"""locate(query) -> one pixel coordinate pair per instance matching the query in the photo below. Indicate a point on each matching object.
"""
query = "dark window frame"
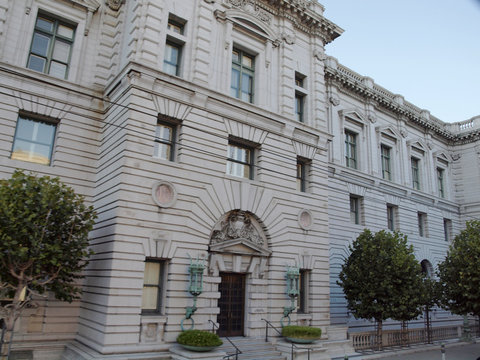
(391, 217)
(302, 174)
(53, 36)
(415, 165)
(386, 157)
(250, 161)
(242, 69)
(160, 286)
(355, 209)
(351, 149)
(39, 120)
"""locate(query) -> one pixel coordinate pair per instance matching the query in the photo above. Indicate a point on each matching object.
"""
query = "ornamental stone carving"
(114, 4)
(238, 225)
(335, 101)
(251, 7)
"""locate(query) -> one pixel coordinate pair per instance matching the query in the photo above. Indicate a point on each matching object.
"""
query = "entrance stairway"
(252, 349)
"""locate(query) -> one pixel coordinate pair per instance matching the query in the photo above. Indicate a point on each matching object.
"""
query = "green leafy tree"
(459, 273)
(381, 279)
(44, 230)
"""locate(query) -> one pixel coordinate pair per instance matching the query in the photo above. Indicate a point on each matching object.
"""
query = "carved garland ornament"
(237, 225)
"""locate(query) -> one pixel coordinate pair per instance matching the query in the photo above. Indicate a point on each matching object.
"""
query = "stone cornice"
(302, 13)
(464, 132)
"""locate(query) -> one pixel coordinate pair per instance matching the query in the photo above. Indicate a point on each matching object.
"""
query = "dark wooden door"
(232, 304)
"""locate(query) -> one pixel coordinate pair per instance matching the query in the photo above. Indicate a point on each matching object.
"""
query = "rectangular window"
(243, 70)
(447, 229)
(154, 278)
(174, 45)
(299, 98)
(240, 160)
(422, 224)
(302, 168)
(51, 47)
(33, 140)
(175, 26)
(299, 107)
(171, 61)
(351, 149)
(302, 300)
(165, 135)
(386, 162)
(415, 173)
(441, 182)
(354, 210)
(391, 217)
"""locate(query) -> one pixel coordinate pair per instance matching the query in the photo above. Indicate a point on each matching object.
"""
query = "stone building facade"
(217, 130)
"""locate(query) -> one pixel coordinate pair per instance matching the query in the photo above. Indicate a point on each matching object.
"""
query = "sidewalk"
(453, 351)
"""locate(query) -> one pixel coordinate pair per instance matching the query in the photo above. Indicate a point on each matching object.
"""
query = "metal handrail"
(237, 350)
(267, 324)
(294, 347)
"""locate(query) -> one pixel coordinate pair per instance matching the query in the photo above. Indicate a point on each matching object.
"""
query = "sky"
(425, 50)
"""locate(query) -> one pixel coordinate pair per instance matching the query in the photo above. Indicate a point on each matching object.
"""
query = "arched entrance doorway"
(238, 256)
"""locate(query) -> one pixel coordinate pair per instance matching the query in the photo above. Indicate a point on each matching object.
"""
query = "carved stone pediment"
(240, 246)
(239, 232)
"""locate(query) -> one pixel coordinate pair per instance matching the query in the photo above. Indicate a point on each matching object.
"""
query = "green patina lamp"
(195, 287)
(292, 275)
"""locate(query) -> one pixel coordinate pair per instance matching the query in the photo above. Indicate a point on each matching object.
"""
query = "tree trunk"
(428, 325)
(405, 333)
(13, 311)
(379, 336)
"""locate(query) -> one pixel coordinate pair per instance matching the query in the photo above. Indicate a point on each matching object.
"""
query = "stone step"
(253, 349)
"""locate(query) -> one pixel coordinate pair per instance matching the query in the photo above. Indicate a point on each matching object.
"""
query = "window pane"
(58, 70)
(45, 24)
(162, 151)
(163, 132)
(44, 133)
(27, 151)
(150, 298)
(65, 31)
(40, 44)
(61, 51)
(235, 82)
(36, 63)
(235, 56)
(152, 273)
(247, 61)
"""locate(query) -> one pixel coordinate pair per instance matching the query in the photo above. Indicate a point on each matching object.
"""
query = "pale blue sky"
(426, 50)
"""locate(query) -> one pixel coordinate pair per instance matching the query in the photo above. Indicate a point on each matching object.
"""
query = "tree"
(459, 273)
(44, 230)
(381, 278)
(430, 299)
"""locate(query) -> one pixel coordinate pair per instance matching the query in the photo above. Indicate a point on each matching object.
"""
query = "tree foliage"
(460, 272)
(381, 278)
(44, 230)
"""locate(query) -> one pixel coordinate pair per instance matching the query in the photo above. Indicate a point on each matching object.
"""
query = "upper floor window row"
(351, 149)
(243, 71)
(174, 45)
(51, 48)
